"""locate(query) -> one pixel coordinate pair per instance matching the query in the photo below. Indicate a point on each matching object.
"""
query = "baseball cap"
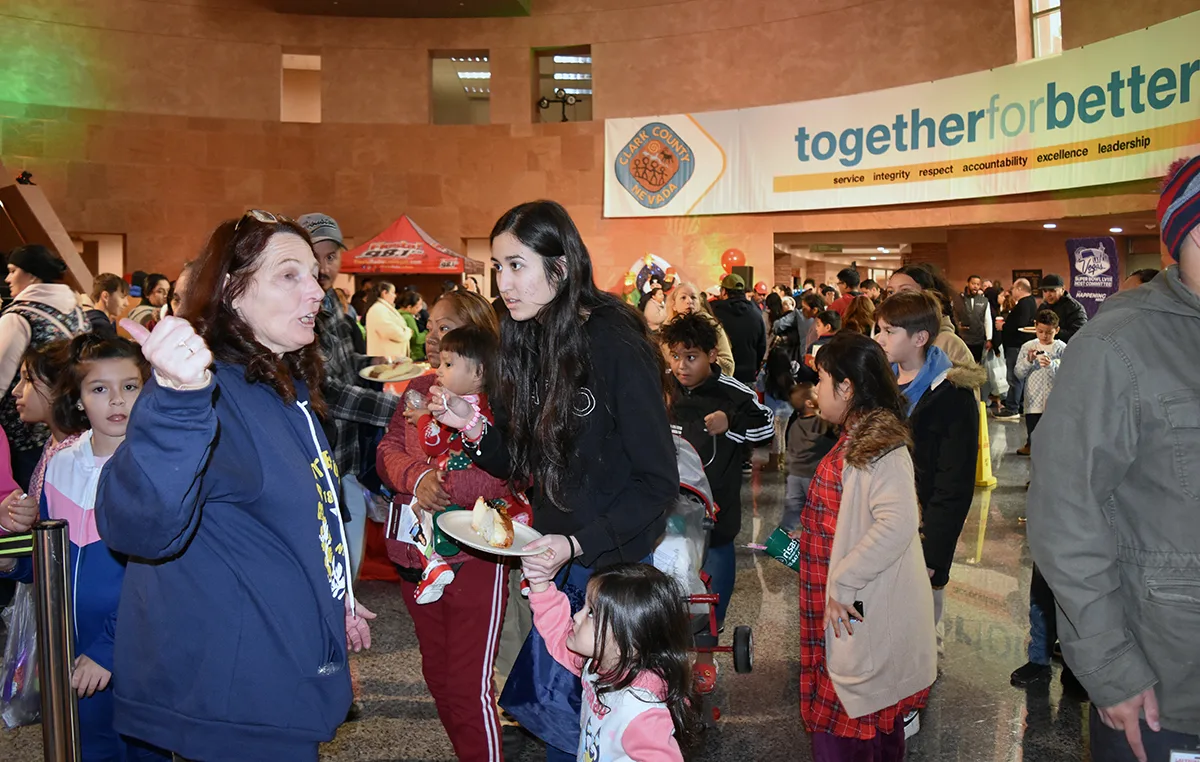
(321, 227)
(1052, 281)
(733, 282)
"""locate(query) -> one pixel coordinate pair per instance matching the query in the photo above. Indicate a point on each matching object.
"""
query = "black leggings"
(1031, 422)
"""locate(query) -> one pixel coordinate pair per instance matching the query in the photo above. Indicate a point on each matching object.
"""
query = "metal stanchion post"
(55, 626)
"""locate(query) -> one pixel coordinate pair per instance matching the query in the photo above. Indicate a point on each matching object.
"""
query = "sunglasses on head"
(261, 216)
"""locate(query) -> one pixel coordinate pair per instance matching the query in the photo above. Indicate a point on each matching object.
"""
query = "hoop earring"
(79, 406)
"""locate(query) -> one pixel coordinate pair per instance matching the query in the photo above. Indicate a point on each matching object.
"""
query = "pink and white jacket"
(629, 725)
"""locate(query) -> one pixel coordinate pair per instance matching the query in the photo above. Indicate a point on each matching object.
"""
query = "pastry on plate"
(490, 520)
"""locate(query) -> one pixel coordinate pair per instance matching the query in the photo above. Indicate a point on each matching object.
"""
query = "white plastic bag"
(20, 692)
(997, 372)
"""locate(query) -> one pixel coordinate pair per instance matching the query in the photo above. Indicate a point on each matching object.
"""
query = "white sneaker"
(912, 724)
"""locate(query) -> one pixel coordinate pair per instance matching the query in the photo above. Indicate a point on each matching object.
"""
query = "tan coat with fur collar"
(877, 559)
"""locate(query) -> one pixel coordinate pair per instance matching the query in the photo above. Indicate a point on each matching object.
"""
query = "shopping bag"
(997, 372)
(20, 692)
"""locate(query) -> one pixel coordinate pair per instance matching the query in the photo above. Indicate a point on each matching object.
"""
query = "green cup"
(784, 549)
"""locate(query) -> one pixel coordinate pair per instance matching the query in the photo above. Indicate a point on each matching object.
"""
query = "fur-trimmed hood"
(972, 376)
(875, 435)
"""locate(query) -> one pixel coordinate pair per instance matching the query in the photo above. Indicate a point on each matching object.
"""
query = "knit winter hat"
(39, 262)
(1179, 205)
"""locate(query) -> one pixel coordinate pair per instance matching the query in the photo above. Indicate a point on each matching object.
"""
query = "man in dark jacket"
(976, 329)
(1071, 315)
(943, 415)
(110, 295)
(743, 324)
(718, 416)
(1012, 338)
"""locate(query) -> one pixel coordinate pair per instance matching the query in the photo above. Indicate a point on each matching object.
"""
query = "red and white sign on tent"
(405, 248)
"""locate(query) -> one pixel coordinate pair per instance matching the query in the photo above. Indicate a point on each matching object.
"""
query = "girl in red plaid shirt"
(867, 643)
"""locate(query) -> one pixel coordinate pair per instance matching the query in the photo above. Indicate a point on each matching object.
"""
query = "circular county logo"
(654, 165)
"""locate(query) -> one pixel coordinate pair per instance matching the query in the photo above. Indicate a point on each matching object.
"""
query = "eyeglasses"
(261, 216)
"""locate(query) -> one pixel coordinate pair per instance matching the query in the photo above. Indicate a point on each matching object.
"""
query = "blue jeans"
(721, 566)
(793, 501)
(1016, 386)
(1043, 627)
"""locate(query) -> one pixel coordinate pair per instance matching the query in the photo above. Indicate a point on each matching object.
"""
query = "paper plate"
(1027, 329)
(457, 524)
(394, 372)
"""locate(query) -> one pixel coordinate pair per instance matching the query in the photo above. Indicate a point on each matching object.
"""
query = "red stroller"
(681, 553)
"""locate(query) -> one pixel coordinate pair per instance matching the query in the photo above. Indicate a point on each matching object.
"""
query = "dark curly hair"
(544, 362)
(694, 330)
(76, 357)
(222, 274)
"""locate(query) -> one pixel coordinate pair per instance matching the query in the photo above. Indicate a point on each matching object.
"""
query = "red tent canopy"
(405, 248)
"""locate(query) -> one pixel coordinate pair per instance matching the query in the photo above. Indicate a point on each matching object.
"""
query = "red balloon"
(732, 258)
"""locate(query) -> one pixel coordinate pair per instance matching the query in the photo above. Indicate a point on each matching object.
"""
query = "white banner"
(1122, 109)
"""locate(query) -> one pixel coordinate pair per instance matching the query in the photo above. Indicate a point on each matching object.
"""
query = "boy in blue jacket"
(718, 415)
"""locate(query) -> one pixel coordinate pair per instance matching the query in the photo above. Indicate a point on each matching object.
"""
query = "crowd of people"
(216, 455)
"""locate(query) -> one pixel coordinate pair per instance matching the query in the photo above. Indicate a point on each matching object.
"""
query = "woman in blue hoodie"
(237, 609)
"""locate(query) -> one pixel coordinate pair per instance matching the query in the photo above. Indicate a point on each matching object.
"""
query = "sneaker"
(1023, 450)
(1024, 676)
(436, 576)
(1008, 416)
(912, 724)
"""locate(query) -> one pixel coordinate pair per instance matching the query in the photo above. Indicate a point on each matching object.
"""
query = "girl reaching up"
(629, 645)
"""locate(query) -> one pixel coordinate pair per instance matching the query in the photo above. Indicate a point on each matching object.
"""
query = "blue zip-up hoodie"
(96, 575)
(231, 634)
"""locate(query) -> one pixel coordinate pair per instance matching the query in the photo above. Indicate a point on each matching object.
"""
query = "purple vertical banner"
(1095, 269)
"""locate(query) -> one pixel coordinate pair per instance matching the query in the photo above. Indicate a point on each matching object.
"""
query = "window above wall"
(461, 87)
(563, 85)
(1047, 27)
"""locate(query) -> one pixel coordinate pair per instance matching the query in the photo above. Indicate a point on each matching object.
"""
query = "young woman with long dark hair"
(581, 416)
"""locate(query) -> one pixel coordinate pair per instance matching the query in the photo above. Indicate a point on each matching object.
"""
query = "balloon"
(732, 258)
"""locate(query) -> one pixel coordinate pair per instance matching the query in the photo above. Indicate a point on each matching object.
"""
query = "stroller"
(681, 553)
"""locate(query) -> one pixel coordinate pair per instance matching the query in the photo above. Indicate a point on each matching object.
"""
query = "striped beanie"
(1179, 205)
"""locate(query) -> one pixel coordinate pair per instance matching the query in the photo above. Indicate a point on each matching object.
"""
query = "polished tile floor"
(973, 714)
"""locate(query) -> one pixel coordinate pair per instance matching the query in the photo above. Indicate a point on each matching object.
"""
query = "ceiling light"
(485, 59)
(474, 75)
(882, 250)
(572, 75)
(874, 258)
(1116, 230)
(1049, 225)
(572, 59)
(577, 90)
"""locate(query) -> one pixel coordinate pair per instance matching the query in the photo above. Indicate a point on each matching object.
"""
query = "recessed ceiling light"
(1116, 230)
(874, 258)
(1049, 225)
(882, 250)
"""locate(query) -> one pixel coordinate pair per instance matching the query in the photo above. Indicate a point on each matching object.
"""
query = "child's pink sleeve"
(650, 737)
(552, 618)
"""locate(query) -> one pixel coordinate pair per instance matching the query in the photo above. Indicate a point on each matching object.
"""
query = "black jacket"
(623, 477)
(945, 430)
(101, 325)
(1071, 316)
(749, 421)
(1021, 316)
(743, 323)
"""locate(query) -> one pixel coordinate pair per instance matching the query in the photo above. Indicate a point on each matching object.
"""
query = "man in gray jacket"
(1114, 508)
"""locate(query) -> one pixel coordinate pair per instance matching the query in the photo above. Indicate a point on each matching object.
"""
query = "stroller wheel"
(743, 649)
